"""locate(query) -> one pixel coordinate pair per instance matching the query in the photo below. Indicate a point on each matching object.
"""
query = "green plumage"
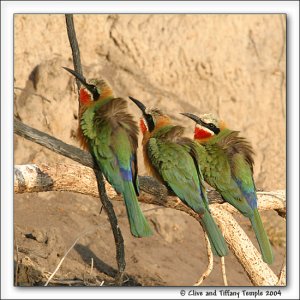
(262, 237)
(112, 137)
(170, 156)
(227, 165)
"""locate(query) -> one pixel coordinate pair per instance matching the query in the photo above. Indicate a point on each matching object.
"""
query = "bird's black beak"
(139, 104)
(194, 118)
(147, 117)
(90, 87)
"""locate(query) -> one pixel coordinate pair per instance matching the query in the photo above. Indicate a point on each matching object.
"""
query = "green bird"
(167, 157)
(226, 161)
(110, 133)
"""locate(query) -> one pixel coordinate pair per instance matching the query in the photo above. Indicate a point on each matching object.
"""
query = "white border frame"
(291, 8)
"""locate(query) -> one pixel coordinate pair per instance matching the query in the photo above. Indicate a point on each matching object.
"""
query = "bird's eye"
(95, 93)
(212, 126)
(150, 122)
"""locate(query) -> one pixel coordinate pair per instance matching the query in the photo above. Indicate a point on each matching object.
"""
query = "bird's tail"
(218, 244)
(138, 224)
(262, 238)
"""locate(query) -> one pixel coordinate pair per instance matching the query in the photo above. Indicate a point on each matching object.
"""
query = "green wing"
(217, 172)
(113, 144)
(107, 156)
(175, 165)
(181, 173)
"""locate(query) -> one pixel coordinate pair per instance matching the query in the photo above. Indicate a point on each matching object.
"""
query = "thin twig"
(92, 266)
(277, 195)
(210, 262)
(120, 252)
(114, 226)
(224, 271)
(74, 46)
(63, 258)
(31, 93)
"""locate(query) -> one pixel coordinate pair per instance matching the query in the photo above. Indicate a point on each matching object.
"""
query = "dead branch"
(249, 257)
(223, 269)
(119, 241)
(74, 46)
(80, 179)
(269, 200)
(31, 93)
(210, 264)
(65, 255)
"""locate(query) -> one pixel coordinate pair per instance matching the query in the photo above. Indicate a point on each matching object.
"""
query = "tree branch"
(80, 179)
(120, 250)
(210, 265)
(74, 46)
(269, 200)
(53, 144)
(258, 271)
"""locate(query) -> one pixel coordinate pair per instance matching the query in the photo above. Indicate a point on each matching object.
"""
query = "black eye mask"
(199, 121)
(148, 118)
(90, 87)
(150, 123)
(211, 127)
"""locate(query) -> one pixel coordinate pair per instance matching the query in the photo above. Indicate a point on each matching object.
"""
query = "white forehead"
(209, 118)
(154, 112)
(99, 82)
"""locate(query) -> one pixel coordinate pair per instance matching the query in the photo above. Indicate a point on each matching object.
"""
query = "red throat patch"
(143, 126)
(200, 134)
(85, 97)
